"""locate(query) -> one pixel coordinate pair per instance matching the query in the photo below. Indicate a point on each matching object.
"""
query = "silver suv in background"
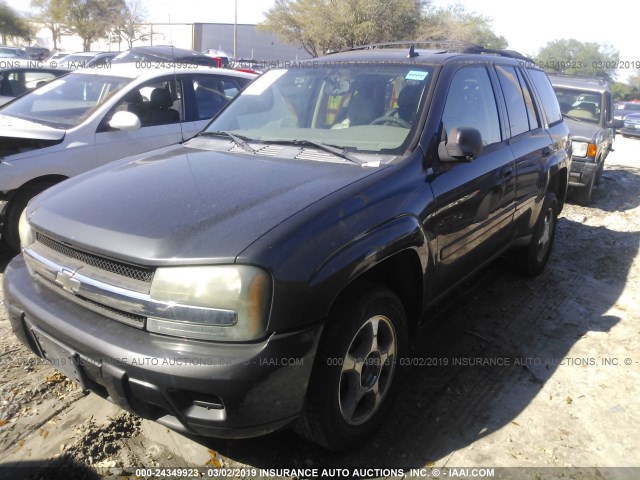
(586, 104)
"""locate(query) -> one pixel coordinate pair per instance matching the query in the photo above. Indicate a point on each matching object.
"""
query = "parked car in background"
(631, 126)
(586, 104)
(164, 56)
(622, 109)
(37, 53)
(221, 57)
(94, 116)
(271, 270)
(22, 76)
(56, 55)
(250, 66)
(87, 60)
(13, 52)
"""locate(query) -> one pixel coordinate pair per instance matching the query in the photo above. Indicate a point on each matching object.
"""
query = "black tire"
(582, 195)
(17, 204)
(599, 171)
(352, 382)
(532, 259)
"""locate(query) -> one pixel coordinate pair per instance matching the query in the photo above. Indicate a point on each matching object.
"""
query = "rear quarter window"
(547, 96)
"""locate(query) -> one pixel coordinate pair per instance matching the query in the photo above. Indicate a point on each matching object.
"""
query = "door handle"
(506, 172)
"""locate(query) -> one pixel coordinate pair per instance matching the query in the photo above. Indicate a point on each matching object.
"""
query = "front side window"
(67, 101)
(472, 103)
(157, 102)
(362, 107)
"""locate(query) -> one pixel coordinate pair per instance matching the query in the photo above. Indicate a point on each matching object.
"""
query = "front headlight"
(583, 149)
(27, 235)
(579, 149)
(239, 295)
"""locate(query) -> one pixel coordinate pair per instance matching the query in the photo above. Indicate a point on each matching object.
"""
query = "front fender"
(364, 253)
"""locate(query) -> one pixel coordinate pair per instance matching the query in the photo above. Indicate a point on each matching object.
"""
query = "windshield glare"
(365, 107)
(67, 101)
(578, 104)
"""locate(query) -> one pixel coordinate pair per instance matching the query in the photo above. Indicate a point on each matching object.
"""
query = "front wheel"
(13, 211)
(354, 376)
(582, 195)
(532, 259)
(599, 171)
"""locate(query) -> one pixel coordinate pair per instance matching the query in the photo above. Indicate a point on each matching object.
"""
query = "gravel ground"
(511, 372)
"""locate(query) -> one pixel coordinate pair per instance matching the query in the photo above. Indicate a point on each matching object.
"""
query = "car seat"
(160, 111)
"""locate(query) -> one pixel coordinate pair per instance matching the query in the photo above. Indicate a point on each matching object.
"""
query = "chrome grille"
(130, 271)
(137, 321)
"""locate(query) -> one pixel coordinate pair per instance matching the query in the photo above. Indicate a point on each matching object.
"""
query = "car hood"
(20, 136)
(184, 206)
(582, 130)
(12, 127)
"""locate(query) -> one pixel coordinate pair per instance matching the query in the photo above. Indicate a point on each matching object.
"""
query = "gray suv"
(270, 271)
(585, 103)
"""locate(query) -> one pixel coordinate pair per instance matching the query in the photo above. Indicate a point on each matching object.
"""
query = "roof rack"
(450, 45)
(444, 46)
(503, 53)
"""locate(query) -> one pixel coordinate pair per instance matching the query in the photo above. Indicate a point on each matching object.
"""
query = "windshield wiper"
(337, 151)
(238, 139)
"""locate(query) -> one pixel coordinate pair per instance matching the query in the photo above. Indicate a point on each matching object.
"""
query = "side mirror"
(463, 144)
(125, 121)
(615, 124)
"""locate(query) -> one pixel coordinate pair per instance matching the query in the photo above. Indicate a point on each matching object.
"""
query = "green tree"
(621, 91)
(321, 26)
(454, 23)
(92, 20)
(634, 80)
(578, 58)
(51, 14)
(12, 25)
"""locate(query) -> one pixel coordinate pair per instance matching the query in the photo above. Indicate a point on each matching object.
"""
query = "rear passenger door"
(528, 140)
(474, 200)
(205, 96)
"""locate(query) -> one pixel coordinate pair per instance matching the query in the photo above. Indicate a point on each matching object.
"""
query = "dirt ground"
(512, 372)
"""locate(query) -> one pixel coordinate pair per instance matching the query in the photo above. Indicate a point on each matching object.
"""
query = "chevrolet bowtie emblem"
(65, 280)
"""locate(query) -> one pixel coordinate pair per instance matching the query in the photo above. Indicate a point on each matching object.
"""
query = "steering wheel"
(393, 121)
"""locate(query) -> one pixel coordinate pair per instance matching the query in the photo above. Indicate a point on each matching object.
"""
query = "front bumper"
(582, 170)
(214, 389)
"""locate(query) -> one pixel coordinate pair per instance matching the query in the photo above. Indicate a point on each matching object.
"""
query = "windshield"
(67, 101)
(578, 104)
(369, 107)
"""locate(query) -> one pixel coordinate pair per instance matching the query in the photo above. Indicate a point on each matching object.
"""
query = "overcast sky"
(527, 26)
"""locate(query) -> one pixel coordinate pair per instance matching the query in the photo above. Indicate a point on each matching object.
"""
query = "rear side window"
(516, 109)
(534, 121)
(212, 93)
(547, 96)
